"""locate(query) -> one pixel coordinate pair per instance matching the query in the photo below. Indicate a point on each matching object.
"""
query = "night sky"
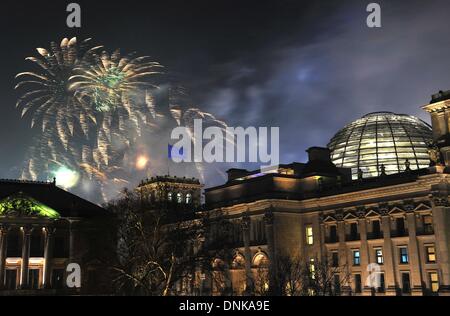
(308, 67)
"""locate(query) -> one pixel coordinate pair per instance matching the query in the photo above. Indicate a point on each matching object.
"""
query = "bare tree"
(296, 277)
(156, 250)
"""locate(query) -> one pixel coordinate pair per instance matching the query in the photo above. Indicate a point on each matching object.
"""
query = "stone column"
(26, 236)
(48, 256)
(3, 240)
(389, 275)
(343, 253)
(268, 221)
(413, 254)
(441, 222)
(73, 234)
(245, 225)
(364, 252)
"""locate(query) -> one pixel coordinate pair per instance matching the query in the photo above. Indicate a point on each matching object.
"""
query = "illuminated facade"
(174, 191)
(42, 230)
(382, 140)
(395, 223)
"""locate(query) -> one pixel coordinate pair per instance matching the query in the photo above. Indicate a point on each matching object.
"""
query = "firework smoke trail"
(93, 110)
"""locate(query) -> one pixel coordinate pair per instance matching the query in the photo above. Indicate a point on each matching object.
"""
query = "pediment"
(372, 213)
(422, 207)
(22, 205)
(396, 210)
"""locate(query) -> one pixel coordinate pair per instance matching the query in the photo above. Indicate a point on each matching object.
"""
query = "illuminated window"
(356, 258)
(309, 235)
(312, 268)
(403, 255)
(188, 198)
(379, 256)
(169, 196)
(434, 281)
(179, 197)
(431, 254)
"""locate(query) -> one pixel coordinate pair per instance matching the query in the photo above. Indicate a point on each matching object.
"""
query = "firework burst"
(94, 110)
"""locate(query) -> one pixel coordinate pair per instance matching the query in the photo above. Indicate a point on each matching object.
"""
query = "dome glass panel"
(382, 138)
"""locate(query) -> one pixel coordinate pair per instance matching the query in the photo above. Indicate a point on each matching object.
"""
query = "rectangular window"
(11, 279)
(358, 287)
(33, 279)
(376, 229)
(354, 231)
(337, 284)
(309, 235)
(400, 223)
(356, 258)
(379, 256)
(335, 259)
(333, 234)
(382, 287)
(434, 281)
(406, 283)
(428, 224)
(58, 278)
(312, 268)
(403, 255)
(431, 253)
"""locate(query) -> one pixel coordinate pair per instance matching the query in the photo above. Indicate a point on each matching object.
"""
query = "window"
(427, 224)
(335, 259)
(309, 235)
(382, 287)
(312, 268)
(400, 223)
(406, 283)
(333, 233)
(169, 196)
(353, 231)
(431, 253)
(14, 247)
(379, 256)
(37, 243)
(358, 286)
(179, 197)
(11, 279)
(404, 255)
(33, 279)
(337, 284)
(61, 247)
(434, 281)
(356, 258)
(188, 198)
(58, 278)
(376, 228)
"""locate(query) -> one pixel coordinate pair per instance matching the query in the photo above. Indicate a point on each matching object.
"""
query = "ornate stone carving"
(339, 215)
(245, 222)
(268, 217)
(361, 212)
(408, 206)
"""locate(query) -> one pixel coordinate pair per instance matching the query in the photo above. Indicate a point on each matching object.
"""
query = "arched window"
(238, 262)
(260, 260)
(179, 197)
(188, 198)
(169, 196)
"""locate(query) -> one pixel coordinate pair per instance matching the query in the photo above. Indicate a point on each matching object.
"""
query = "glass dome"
(382, 138)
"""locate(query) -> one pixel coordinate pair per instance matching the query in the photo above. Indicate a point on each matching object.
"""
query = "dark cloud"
(308, 67)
